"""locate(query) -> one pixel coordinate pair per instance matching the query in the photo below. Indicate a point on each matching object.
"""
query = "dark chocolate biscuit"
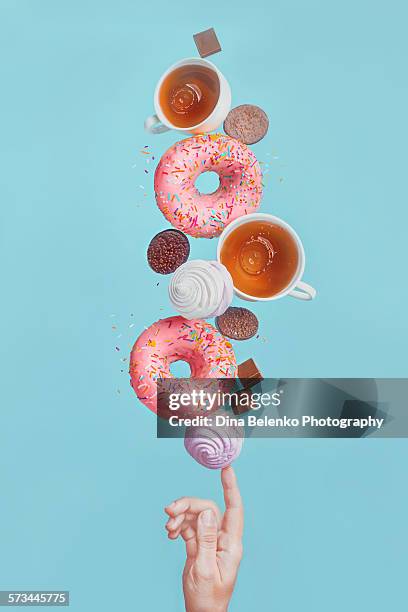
(247, 123)
(167, 251)
(237, 323)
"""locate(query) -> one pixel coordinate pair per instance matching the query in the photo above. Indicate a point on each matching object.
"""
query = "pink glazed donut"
(205, 349)
(206, 215)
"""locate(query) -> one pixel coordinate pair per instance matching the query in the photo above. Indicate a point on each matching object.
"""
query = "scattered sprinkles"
(147, 157)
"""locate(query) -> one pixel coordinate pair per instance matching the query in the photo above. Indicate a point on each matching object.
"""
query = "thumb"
(206, 543)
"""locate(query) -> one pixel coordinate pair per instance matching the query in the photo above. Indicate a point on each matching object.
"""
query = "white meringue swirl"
(201, 289)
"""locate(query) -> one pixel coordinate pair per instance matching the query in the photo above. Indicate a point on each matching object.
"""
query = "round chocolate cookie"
(247, 123)
(167, 251)
(237, 323)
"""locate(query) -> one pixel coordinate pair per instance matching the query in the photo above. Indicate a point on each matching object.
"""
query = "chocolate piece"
(249, 374)
(207, 42)
(247, 123)
(167, 251)
(241, 402)
(237, 323)
(248, 369)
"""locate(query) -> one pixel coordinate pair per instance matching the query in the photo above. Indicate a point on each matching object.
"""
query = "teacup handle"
(307, 292)
(153, 125)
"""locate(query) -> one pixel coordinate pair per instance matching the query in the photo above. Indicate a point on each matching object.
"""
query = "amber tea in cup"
(189, 94)
(262, 258)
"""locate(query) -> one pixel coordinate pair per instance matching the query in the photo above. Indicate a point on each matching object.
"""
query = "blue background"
(83, 480)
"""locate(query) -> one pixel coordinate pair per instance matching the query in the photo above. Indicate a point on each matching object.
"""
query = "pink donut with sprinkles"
(206, 215)
(204, 348)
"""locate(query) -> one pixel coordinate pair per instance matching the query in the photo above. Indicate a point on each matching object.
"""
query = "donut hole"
(180, 369)
(207, 182)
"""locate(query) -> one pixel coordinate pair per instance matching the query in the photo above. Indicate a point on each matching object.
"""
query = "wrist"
(212, 608)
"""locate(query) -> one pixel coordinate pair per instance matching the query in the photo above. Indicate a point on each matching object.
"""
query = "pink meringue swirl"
(214, 447)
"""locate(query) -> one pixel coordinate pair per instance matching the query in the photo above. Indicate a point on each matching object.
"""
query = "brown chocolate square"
(249, 370)
(241, 402)
(207, 42)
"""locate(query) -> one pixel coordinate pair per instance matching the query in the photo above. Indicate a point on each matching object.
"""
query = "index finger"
(233, 522)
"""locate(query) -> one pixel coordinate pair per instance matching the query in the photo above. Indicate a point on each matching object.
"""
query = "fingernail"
(208, 518)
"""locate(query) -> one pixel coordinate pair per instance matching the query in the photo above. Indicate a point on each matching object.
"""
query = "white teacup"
(296, 288)
(158, 123)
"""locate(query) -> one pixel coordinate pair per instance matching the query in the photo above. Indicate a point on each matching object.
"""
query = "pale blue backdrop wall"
(83, 480)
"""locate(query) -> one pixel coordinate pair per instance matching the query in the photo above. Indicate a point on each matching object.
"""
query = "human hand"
(213, 545)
